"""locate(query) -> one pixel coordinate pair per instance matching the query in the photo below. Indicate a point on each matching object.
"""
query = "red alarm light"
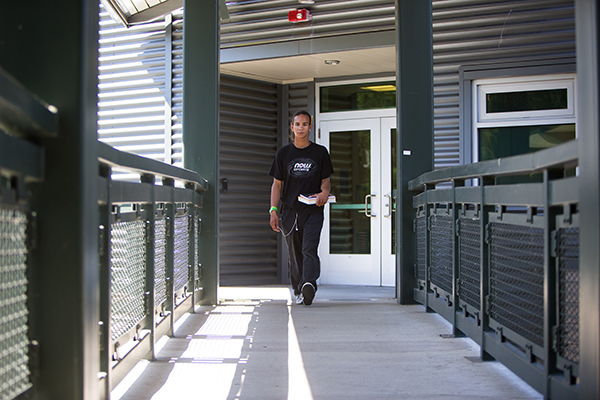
(300, 15)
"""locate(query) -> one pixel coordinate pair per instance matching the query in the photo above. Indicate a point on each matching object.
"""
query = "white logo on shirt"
(302, 167)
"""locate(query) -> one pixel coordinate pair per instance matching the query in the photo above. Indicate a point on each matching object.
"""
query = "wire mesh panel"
(181, 252)
(14, 343)
(441, 251)
(517, 279)
(568, 269)
(128, 271)
(421, 235)
(160, 264)
(469, 261)
(196, 248)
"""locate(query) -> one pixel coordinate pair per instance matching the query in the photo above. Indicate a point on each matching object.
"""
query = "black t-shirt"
(301, 171)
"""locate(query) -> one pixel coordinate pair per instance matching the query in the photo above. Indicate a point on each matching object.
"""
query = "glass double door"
(358, 240)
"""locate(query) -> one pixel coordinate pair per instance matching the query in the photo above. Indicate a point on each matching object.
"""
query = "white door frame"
(381, 261)
(388, 260)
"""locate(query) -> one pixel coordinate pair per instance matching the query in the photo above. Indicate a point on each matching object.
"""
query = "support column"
(52, 49)
(414, 82)
(588, 112)
(201, 126)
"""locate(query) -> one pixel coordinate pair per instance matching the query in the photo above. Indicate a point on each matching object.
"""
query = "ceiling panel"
(308, 67)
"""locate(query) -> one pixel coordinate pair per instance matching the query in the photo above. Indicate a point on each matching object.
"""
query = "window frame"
(483, 87)
(482, 119)
(536, 72)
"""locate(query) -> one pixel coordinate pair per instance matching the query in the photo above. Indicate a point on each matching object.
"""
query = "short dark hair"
(302, 112)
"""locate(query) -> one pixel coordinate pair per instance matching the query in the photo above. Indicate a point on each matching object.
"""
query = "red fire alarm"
(300, 15)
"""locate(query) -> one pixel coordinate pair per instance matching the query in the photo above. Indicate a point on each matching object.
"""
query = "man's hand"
(323, 196)
(275, 197)
(274, 221)
(322, 199)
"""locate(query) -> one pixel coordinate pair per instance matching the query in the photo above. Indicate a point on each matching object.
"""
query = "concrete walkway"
(352, 343)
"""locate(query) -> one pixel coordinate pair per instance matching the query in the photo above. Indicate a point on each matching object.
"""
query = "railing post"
(150, 218)
(191, 213)
(170, 256)
(60, 66)
(104, 281)
(484, 276)
(455, 258)
(427, 210)
(551, 288)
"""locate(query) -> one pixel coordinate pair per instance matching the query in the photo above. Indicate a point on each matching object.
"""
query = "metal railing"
(149, 261)
(150, 271)
(23, 118)
(500, 262)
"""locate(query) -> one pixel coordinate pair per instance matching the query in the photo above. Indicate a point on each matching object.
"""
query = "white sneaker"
(308, 292)
(299, 299)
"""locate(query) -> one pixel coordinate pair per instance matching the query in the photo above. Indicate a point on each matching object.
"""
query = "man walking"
(301, 167)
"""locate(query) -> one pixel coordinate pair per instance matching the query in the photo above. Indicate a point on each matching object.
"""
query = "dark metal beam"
(415, 126)
(308, 46)
(588, 128)
(201, 126)
(20, 157)
(22, 113)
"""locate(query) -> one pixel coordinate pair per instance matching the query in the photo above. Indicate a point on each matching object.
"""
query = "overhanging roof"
(131, 12)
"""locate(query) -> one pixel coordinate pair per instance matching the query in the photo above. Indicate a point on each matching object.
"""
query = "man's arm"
(275, 196)
(325, 189)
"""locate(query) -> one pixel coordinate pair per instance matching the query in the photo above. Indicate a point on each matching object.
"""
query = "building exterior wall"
(140, 104)
(489, 32)
(262, 22)
(248, 142)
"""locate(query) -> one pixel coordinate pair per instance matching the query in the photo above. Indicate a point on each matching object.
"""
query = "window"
(357, 96)
(520, 115)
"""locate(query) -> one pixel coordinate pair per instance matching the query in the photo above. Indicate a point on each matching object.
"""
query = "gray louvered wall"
(298, 98)
(248, 141)
(464, 32)
(142, 115)
(477, 32)
(132, 113)
(258, 22)
(176, 48)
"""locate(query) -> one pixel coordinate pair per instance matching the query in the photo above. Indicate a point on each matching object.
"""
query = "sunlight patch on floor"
(298, 386)
(190, 380)
(255, 293)
(202, 363)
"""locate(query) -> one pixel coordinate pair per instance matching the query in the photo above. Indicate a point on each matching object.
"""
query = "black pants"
(302, 238)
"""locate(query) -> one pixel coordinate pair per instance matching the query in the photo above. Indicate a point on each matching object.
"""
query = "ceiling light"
(332, 62)
(306, 1)
(380, 88)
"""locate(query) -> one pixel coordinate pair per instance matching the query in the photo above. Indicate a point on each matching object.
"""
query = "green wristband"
(273, 208)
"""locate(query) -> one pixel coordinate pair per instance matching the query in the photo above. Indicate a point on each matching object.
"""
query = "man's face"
(301, 126)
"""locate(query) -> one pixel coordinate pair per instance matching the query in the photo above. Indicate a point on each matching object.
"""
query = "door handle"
(367, 197)
(388, 205)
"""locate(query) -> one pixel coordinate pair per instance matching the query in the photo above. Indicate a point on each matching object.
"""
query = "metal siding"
(298, 97)
(131, 89)
(257, 22)
(248, 143)
(478, 32)
(177, 89)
